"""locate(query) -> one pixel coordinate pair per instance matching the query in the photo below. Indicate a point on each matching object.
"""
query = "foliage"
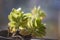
(27, 23)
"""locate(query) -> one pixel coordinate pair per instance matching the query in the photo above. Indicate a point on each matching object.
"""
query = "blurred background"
(51, 8)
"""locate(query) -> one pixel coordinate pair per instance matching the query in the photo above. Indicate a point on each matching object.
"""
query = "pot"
(4, 36)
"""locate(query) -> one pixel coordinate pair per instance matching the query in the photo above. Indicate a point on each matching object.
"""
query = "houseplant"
(27, 24)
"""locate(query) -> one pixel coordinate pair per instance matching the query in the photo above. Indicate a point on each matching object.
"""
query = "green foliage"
(30, 22)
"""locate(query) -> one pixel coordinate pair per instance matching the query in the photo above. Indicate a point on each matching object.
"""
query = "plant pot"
(4, 36)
